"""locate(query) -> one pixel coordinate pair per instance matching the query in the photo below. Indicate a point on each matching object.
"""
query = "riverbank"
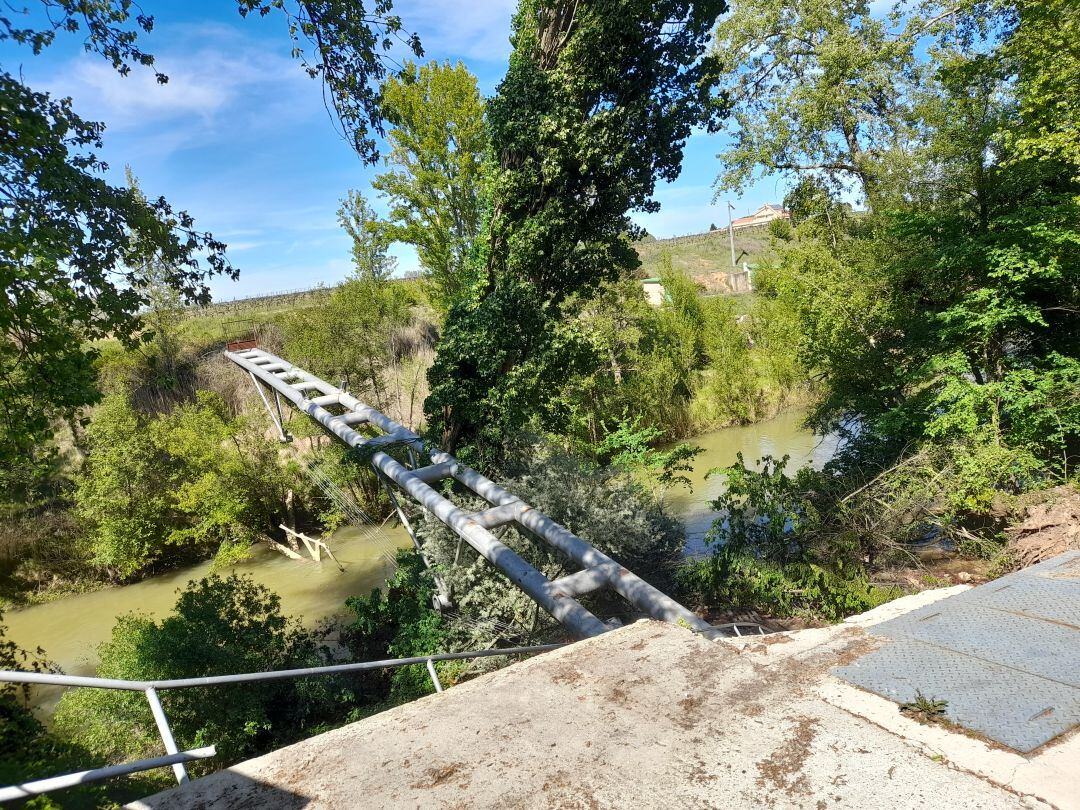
(69, 630)
(69, 627)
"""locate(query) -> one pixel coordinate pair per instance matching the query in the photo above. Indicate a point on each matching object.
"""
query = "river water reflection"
(784, 435)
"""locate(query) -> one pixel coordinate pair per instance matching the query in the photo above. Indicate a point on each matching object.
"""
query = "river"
(784, 435)
(70, 629)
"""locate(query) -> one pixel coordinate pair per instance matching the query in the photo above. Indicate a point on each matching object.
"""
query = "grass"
(704, 253)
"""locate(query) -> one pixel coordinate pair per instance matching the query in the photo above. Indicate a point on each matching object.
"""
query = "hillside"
(702, 253)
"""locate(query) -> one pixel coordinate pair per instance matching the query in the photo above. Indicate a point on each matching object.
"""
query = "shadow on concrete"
(223, 790)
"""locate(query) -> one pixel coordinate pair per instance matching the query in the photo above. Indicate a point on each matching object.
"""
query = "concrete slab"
(650, 715)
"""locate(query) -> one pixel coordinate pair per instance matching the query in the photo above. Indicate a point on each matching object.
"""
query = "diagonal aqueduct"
(276, 379)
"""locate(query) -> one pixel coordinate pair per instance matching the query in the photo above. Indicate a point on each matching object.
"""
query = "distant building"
(763, 216)
(654, 291)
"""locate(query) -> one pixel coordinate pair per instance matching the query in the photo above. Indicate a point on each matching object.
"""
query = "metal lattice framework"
(313, 396)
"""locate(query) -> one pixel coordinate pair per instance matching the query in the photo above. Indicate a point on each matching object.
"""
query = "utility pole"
(731, 232)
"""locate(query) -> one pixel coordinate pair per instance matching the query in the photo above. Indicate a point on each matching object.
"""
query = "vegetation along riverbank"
(916, 296)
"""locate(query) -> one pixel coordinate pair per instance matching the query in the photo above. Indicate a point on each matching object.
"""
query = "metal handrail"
(40, 786)
(177, 758)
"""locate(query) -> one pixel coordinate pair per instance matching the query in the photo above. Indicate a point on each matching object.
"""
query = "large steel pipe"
(505, 506)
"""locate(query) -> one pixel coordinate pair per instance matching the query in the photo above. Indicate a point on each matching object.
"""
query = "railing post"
(434, 675)
(162, 721)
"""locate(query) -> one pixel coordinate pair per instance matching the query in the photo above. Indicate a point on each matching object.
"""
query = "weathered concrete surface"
(649, 716)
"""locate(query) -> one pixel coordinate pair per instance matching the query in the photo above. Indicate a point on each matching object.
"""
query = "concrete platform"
(652, 715)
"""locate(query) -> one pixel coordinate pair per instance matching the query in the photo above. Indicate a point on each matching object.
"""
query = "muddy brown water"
(784, 435)
(70, 629)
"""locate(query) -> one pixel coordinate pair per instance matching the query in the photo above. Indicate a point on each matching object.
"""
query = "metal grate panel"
(1017, 709)
(1049, 650)
(1004, 655)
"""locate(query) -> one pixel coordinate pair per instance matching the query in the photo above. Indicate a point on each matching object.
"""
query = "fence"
(176, 758)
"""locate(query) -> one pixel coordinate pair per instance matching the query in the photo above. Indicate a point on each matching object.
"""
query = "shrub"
(28, 750)
(604, 505)
(773, 551)
(218, 627)
(398, 624)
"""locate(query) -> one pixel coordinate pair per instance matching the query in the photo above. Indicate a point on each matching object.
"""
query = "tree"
(821, 87)
(226, 476)
(398, 624)
(123, 493)
(438, 142)
(217, 627)
(348, 53)
(577, 141)
(349, 337)
(370, 238)
(947, 325)
(730, 389)
(184, 484)
(638, 367)
(70, 266)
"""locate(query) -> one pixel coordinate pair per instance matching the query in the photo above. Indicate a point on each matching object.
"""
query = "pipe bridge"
(276, 379)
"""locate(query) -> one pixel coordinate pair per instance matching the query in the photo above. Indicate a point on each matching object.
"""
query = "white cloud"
(478, 30)
(137, 99)
(238, 247)
(218, 78)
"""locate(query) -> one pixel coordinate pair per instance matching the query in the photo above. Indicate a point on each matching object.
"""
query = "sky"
(241, 139)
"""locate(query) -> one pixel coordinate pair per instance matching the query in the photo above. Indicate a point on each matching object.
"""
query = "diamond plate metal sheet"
(1004, 655)
(1038, 597)
(1049, 599)
(1061, 563)
(1041, 648)
(1016, 709)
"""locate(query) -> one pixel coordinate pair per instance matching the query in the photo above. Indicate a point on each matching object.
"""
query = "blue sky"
(241, 139)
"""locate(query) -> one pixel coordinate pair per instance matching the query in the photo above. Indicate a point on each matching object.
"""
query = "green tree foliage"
(771, 550)
(1044, 50)
(350, 337)
(344, 43)
(71, 269)
(729, 390)
(217, 627)
(176, 486)
(400, 623)
(944, 326)
(576, 142)
(123, 494)
(604, 505)
(638, 368)
(438, 143)
(820, 87)
(959, 316)
(369, 238)
(28, 750)
(689, 364)
(70, 266)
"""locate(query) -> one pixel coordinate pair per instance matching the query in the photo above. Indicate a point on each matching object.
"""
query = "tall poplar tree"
(596, 106)
(438, 143)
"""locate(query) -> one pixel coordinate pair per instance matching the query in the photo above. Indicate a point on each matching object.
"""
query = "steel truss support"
(311, 396)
